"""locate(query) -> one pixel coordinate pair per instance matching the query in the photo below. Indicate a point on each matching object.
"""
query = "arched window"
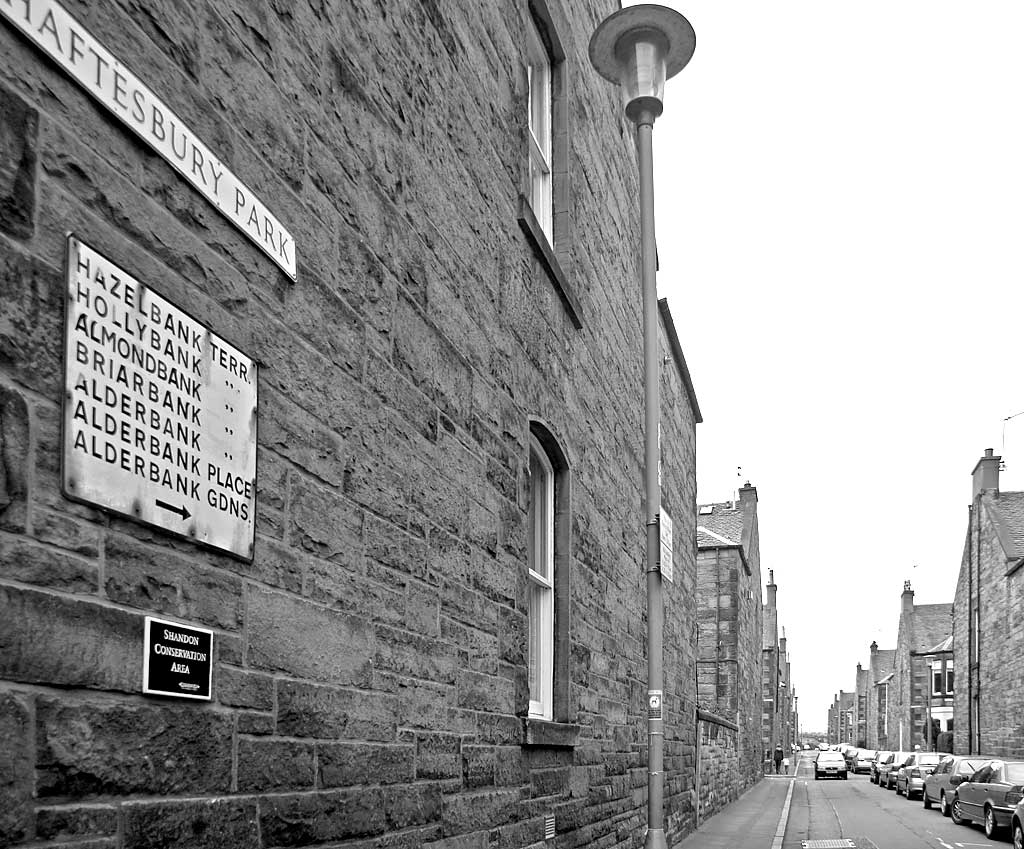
(548, 545)
(541, 555)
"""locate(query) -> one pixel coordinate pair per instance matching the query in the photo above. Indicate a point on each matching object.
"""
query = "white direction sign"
(159, 411)
(56, 32)
(665, 524)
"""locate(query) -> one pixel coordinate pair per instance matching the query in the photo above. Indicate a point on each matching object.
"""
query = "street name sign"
(177, 660)
(54, 31)
(159, 411)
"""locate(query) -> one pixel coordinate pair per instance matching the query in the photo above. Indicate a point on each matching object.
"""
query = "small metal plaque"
(665, 523)
(655, 698)
(159, 411)
(177, 661)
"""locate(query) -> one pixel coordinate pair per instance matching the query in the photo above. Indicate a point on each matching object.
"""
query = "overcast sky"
(840, 214)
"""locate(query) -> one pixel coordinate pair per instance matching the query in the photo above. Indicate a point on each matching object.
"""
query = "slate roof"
(932, 624)
(884, 660)
(1007, 510)
(945, 645)
(722, 526)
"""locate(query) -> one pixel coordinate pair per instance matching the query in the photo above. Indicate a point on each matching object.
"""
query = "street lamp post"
(638, 48)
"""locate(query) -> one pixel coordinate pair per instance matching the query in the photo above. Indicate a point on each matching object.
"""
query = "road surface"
(870, 816)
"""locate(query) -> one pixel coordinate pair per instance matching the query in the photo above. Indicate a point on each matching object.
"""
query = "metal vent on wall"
(549, 827)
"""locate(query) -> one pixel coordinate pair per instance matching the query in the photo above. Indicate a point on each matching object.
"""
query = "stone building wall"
(996, 680)
(720, 776)
(729, 646)
(369, 669)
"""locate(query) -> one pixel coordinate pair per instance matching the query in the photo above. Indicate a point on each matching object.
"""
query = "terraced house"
(729, 617)
(988, 622)
(365, 568)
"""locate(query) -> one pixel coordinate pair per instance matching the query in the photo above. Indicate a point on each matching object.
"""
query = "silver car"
(864, 761)
(910, 777)
(951, 771)
(990, 795)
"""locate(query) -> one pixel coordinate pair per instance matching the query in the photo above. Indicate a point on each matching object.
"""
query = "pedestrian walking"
(777, 757)
(785, 766)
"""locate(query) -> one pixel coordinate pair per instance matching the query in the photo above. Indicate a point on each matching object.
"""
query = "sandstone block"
(305, 640)
(57, 641)
(274, 765)
(33, 564)
(101, 748)
(15, 454)
(19, 127)
(309, 710)
(346, 764)
(192, 824)
(69, 821)
(321, 817)
(16, 776)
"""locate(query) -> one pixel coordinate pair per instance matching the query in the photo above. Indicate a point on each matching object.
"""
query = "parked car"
(864, 761)
(990, 795)
(1017, 826)
(952, 771)
(830, 764)
(880, 757)
(887, 771)
(910, 777)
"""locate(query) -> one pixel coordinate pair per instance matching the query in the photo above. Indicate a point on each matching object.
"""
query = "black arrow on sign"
(182, 511)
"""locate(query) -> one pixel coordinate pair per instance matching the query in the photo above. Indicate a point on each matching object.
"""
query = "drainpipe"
(970, 637)
(977, 639)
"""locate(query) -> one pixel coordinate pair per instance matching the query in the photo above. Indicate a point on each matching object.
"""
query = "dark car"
(887, 773)
(880, 757)
(830, 764)
(910, 777)
(990, 795)
(952, 771)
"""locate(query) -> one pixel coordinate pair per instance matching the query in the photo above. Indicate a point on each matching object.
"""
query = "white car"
(830, 764)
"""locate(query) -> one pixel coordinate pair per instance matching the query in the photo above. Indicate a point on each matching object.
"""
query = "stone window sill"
(552, 735)
(542, 248)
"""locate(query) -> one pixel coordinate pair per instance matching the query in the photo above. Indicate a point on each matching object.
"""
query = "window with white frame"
(942, 678)
(541, 551)
(539, 81)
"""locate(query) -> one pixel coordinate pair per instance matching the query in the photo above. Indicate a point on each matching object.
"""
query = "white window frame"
(541, 610)
(539, 105)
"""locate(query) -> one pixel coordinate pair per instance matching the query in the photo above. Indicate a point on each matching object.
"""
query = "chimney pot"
(986, 474)
(907, 598)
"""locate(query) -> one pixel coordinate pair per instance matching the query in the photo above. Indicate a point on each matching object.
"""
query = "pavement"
(757, 820)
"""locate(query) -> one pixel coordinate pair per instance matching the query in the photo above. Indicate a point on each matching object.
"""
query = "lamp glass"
(641, 57)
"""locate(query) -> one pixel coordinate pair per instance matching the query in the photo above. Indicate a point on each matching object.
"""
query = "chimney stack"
(748, 493)
(874, 647)
(771, 589)
(986, 474)
(907, 599)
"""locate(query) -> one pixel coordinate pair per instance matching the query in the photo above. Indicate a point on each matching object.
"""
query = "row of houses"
(393, 577)
(739, 639)
(954, 680)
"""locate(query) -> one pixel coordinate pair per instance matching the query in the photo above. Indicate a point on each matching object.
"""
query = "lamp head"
(638, 48)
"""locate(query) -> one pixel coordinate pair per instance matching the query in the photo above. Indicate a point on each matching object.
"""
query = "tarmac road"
(870, 816)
